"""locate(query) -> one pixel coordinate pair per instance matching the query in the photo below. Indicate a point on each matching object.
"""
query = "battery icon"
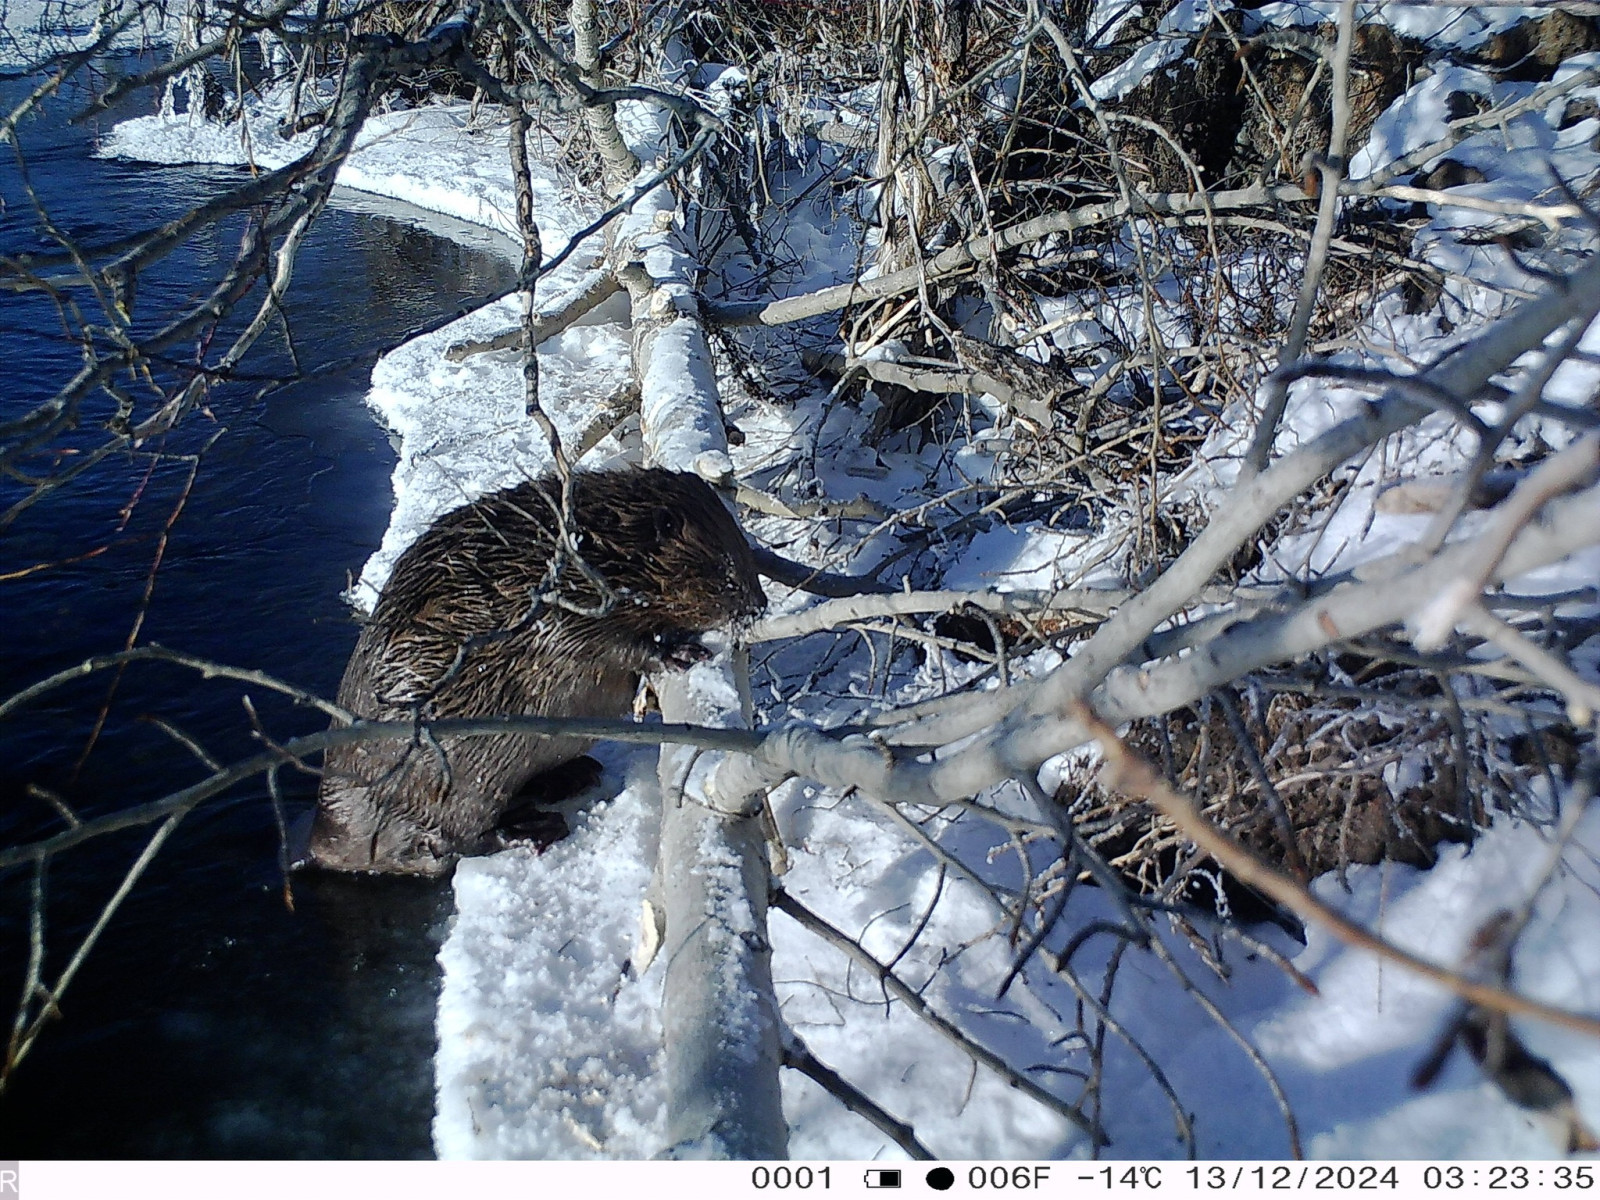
(883, 1177)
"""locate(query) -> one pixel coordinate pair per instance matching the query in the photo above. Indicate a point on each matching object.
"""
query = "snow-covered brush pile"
(1155, 335)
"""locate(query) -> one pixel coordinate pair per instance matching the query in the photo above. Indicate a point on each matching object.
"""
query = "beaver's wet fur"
(460, 631)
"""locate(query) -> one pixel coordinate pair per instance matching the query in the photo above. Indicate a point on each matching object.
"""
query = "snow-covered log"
(720, 1014)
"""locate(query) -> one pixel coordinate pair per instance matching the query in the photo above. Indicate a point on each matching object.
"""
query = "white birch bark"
(720, 1015)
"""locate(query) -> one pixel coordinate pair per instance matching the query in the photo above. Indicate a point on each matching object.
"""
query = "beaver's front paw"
(536, 828)
(682, 651)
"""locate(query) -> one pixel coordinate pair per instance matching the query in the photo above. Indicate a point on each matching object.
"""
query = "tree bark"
(599, 119)
(719, 1013)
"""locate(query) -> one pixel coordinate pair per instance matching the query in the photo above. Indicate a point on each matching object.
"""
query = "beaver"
(469, 625)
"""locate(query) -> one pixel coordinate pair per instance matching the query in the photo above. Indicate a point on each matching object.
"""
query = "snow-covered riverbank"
(549, 1044)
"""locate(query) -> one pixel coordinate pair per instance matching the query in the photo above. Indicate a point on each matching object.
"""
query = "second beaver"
(466, 627)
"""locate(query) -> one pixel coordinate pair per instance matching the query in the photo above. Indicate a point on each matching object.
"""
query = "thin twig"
(907, 995)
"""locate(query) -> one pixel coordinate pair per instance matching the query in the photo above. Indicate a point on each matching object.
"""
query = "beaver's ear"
(669, 524)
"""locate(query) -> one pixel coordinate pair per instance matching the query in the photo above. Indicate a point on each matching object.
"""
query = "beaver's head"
(668, 546)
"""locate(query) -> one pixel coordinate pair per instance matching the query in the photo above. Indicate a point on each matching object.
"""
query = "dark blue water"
(210, 1020)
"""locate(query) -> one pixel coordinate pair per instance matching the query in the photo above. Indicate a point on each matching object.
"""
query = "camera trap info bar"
(61, 1179)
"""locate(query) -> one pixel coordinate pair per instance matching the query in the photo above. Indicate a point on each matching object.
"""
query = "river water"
(210, 1021)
